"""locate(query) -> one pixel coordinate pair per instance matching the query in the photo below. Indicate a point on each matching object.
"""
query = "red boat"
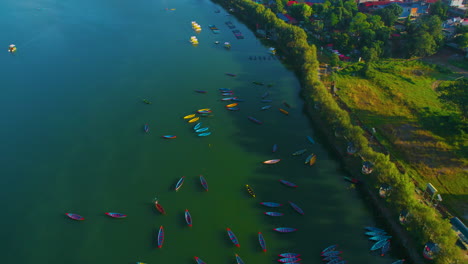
(75, 216)
(116, 215)
(288, 183)
(233, 237)
(159, 207)
(261, 240)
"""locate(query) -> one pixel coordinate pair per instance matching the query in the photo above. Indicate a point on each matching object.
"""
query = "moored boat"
(287, 105)
(228, 98)
(239, 260)
(375, 233)
(146, 101)
(307, 160)
(232, 105)
(189, 116)
(288, 183)
(289, 260)
(233, 108)
(331, 253)
(385, 249)
(329, 248)
(379, 244)
(159, 207)
(265, 95)
(289, 255)
(352, 180)
(271, 204)
(266, 107)
(200, 91)
(337, 261)
(116, 215)
(195, 119)
(311, 139)
(146, 128)
(253, 119)
(296, 208)
(75, 216)
(204, 111)
(204, 183)
(198, 260)
(274, 213)
(230, 74)
(312, 160)
(275, 148)
(331, 258)
(179, 183)
(299, 152)
(285, 229)
(161, 237)
(250, 190)
(273, 161)
(169, 136)
(378, 238)
(233, 237)
(399, 261)
(197, 126)
(188, 217)
(266, 101)
(201, 130)
(374, 229)
(283, 111)
(204, 134)
(257, 83)
(261, 240)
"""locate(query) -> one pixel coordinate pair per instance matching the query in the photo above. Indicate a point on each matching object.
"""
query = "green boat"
(146, 101)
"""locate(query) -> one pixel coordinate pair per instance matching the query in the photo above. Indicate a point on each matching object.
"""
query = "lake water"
(72, 140)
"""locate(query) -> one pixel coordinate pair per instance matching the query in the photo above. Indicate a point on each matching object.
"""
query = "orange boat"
(312, 160)
(284, 111)
(232, 105)
(159, 207)
(273, 161)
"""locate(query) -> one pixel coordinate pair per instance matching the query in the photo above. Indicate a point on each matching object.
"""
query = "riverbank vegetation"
(426, 224)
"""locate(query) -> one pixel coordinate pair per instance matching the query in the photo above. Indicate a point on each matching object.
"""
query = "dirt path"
(443, 57)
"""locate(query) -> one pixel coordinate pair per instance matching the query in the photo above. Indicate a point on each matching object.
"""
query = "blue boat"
(202, 129)
(273, 213)
(204, 134)
(289, 260)
(265, 95)
(331, 258)
(385, 249)
(296, 208)
(379, 244)
(197, 126)
(270, 204)
(289, 255)
(374, 229)
(203, 182)
(329, 248)
(311, 139)
(337, 261)
(378, 238)
(253, 119)
(227, 94)
(233, 108)
(285, 229)
(375, 233)
(235, 99)
(200, 91)
(179, 183)
(225, 89)
(399, 261)
(307, 160)
(146, 128)
(261, 240)
(275, 148)
(331, 253)
(198, 260)
(299, 152)
(239, 260)
(233, 237)
(266, 107)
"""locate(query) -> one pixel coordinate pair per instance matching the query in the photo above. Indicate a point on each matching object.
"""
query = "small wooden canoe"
(169, 136)
(313, 160)
(197, 126)
(228, 98)
(253, 119)
(299, 152)
(161, 237)
(201, 130)
(273, 161)
(204, 183)
(266, 107)
(374, 229)
(261, 240)
(275, 148)
(204, 134)
(285, 229)
(289, 255)
(232, 105)
(188, 217)
(287, 105)
(116, 215)
(274, 213)
(225, 89)
(189, 116)
(232, 237)
(296, 208)
(266, 101)
(379, 244)
(284, 111)
(146, 101)
(271, 204)
(239, 260)
(75, 216)
(199, 261)
(250, 190)
(332, 258)
(311, 139)
(331, 253)
(204, 111)
(289, 260)
(288, 183)
(375, 233)
(159, 207)
(193, 120)
(265, 95)
(257, 83)
(378, 238)
(329, 248)
(200, 91)
(233, 108)
(179, 183)
(231, 74)
(307, 160)
(146, 128)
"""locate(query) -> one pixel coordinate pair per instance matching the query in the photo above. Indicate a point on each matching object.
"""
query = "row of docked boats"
(192, 118)
(146, 129)
(381, 237)
(196, 27)
(331, 255)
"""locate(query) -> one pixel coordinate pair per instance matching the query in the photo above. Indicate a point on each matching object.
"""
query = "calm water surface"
(72, 140)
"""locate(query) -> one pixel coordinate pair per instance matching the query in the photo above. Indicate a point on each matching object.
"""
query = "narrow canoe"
(227, 94)
(273, 161)
(197, 126)
(239, 260)
(204, 134)
(287, 105)
(274, 213)
(253, 119)
(193, 120)
(313, 160)
(299, 152)
(284, 111)
(161, 237)
(331, 258)
(337, 261)
(266, 107)
(228, 98)
(375, 233)
(202, 129)
(378, 238)
(233, 237)
(307, 160)
(189, 116)
(232, 105)
(146, 128)
(179, 183)
(231, 74)
(288, 183)
(188, 217)
(289, 255)
(225, 89)
(233, 108)
(331, 253)
(146, 101)
(385, 249)
(296, 208)
(204, 110)
(75, 216)
(199, 261)
(289, 260)
(159, 207)
(311, 139)
(257, 83)
(261, 240)
(200, 91)
(275, 148)
(265, 95)
(285, 229)
(399, 261)
(235, 99)
(250, 190)
(116, 215)
(374, 229)
(329, 248)
(169, 136)
(352, 180)
(271, 204)
(379, 244)
(204, 183)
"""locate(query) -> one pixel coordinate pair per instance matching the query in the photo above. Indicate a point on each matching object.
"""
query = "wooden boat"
(285, 229)
(169, 136)
(159, 207)
(140, 263)
(204, 183)
(352, 180)
(200, 91)
(266, 107)
(265, 95)
(289, 255)
(204, 111)
(236, 99)
(288, 183)
(189, 116)
(197, 126)
(232, 105)
(225, 89)
(75, 216)
(214, 29)
(379, 244)
(331, 258)
(329, 248)
(188, 217)
(146, 128)
(296, 208)
(331, 253)
(257, 83)
(271, 204)
(311, 139)
(337, 261)
(313, 160)
(204, 134)
(179, 183)
(228, 98)
(233, 237)
(307, 160)
(228, 94)
(299, 152)
(284, 111)
(287, 105)
(274, 213)
(161, 237)
(250, 190)
(273, 161)
(233, 108)
(193, 120)
(289, 260)
(146, 101)
(385, 249)
(202, 129)
(116, 215)
(374, 229)
(261, 240)
(253, 119)
(378, 238)
(199, 261)
(231, 74)
(275, 148)
(399, 261)
(239, 260)
(376, 233)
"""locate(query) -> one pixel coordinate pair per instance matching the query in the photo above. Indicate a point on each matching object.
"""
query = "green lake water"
(72, 140)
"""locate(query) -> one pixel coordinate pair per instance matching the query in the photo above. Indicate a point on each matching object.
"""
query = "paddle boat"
(257, 83)
(283, 111)
(146, 101)
(231, 74)
(331, 253)
(239, 260)
(169, 136)
(329, 248)
(299, 152)
(271, 204)
(189, 116)
(378, 238)
(379, 244)
(261, 240)
(375, 233)
(116, 215)
(289, 255)
(352, 180)
(228, 98)
(232, 105)
(204, 111)
(159, 207)
(385, 249)
(204, 134)
(274, 214)
(233, 108)
(200, 91)
(312, 160)
(266, 107)
(199, 261)
(311, 139)
(296, 208)
(233, 237)
(201, 129)
(253, 119)
(179, 183)
(332, 258)
(309, 158)
(197, 126)
(275, 148)
(288, 183)
(289, 260)
(374, 229)
(160, 237)
(273, 161)
(287, 105)
(75, 216)
(285, 229)
(399, 261)
(146, 128)
(204, 183)
(193, 120)
(188, 217)
(250, 190)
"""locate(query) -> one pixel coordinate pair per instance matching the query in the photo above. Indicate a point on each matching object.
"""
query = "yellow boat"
(189, 116)
(232, 105)
(312, 160)
(284, 111)
(194, 119)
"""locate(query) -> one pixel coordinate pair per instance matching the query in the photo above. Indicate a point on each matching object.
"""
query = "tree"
(438, 9)
(334, 60)
(389, 14)
(462, 40)
(422, 44)
(455, 93)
